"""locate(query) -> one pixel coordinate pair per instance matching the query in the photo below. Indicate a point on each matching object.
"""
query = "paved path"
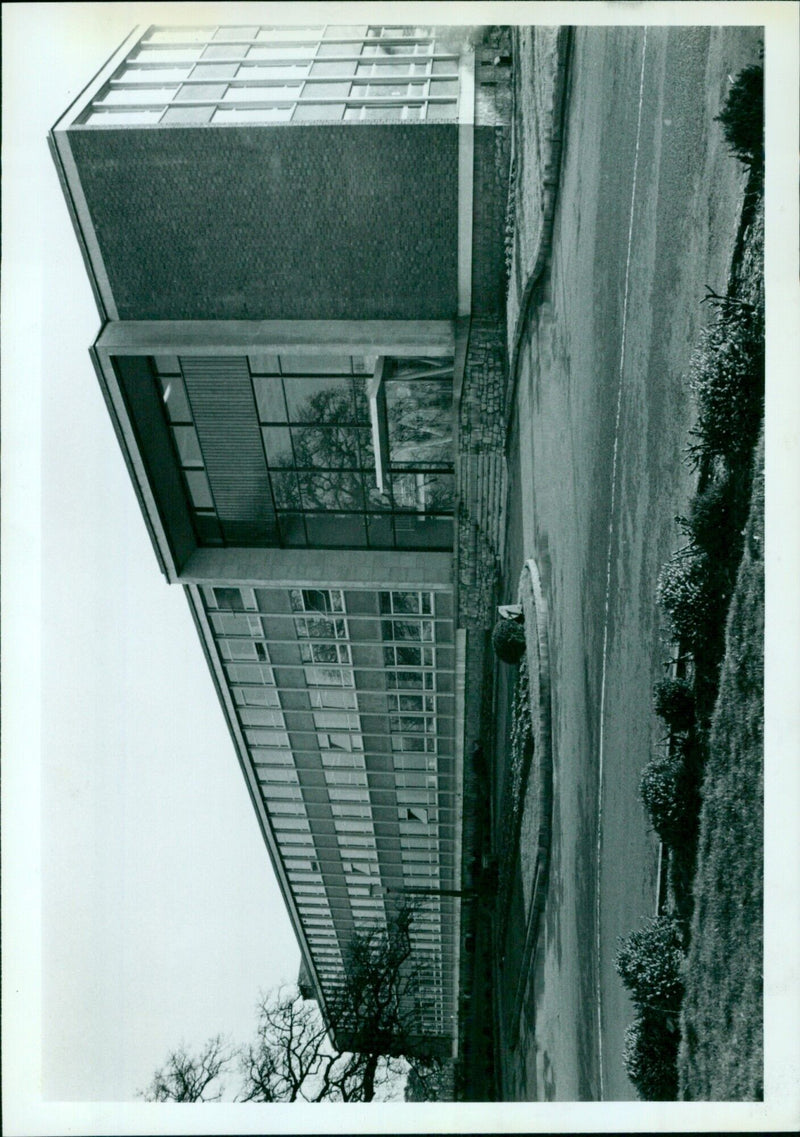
(645, 217)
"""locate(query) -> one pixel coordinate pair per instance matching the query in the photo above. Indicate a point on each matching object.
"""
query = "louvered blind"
(226, 420)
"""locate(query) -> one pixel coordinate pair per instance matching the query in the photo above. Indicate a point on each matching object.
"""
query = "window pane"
(333, 489)
(188, 114)
(316, 112)
(244, 114)
(269, 398)
(272, 73)
(199, 489)
(123, 118)
(334, 68)
(175, 400)
(188, 445)
(200, 92)
(420, 422)
(272, 94)
(336, 529)
(150, 74)
(314, 399)
(278, 445)
(286, 489)
(156, 96)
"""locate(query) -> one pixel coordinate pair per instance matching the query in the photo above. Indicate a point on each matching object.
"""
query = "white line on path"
(598, 994)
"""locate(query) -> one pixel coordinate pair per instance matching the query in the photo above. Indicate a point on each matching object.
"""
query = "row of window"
(320, 615)
(269, 75)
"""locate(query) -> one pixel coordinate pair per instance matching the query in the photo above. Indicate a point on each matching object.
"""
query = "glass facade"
(307, 472)
(353, 746)
(278, 75)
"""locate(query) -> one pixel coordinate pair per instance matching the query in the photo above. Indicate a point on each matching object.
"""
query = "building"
(294, 237)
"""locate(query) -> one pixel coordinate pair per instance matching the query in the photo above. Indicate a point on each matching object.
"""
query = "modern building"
(295, 241)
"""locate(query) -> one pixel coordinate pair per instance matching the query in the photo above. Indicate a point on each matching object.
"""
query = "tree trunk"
(369, 1076)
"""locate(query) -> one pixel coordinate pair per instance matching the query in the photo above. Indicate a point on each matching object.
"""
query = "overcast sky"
(160, 918)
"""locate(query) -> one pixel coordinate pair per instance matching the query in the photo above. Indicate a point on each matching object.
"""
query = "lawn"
(721, 1053)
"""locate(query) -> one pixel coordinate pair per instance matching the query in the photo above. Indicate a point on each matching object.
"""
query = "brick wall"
(492, 159)
(482, 473)
(305, 222)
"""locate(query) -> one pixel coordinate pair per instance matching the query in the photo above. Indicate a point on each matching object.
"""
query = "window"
(335, 720)
(316, 600)
(413, 813)
(344, 699)
(328, 677)
(364, 868)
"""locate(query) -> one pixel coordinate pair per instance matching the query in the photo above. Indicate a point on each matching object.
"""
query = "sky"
(146, 913)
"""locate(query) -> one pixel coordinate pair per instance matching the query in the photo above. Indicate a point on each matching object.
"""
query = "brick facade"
(303, 222)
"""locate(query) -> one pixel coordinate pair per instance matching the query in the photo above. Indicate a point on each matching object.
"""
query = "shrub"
(726, 375)
(650, 1057)
(742, 117)
(669, 795)
(508, 641)
(686, 593)
(650, 964)
(673, 700)
(712, 517)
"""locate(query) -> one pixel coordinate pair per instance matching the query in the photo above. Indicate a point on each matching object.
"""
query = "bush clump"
(673, 700)
(650, 963)
(712, 517)
(687, 595)
(650, 1057)
(726, 376)
(742, 117)
(668, 791)
(508, 641)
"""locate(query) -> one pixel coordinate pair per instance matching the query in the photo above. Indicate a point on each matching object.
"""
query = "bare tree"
(372, 1023)
(189, 1077)
(377, 1009)
(293, 1059)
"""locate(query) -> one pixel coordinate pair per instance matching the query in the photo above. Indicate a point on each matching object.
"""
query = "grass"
(721, 1053)
(715, 886)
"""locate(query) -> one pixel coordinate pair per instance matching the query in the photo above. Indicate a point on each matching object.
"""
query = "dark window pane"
(375, 499)
(331, 489)
(208, 530)
(292, 529)
(199, 489)
(316, 399)
(315, 364)
(174, 396)
(326, 447)
(366, 450)
(316, 600)
(188, 445)
(380, 531)
(336, 529)
(229, 599)
(425, 532)
(285, 489)
(278, 445)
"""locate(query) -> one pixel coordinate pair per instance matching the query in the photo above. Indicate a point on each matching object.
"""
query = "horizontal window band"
(259, 104)
(239, 81)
